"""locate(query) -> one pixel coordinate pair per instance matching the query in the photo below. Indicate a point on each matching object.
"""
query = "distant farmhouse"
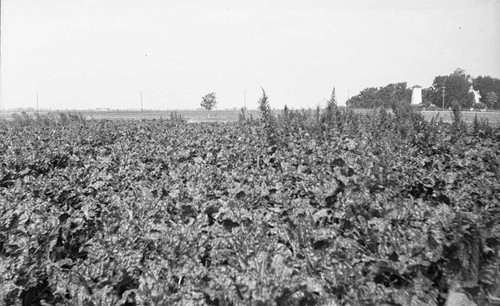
(477, 95)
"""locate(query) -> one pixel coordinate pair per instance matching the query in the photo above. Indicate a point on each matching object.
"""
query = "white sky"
(101, 53)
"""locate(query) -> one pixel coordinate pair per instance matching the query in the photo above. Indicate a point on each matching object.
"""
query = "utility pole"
(245, 98)
(37, 103)
(443, 94)
(141, 102)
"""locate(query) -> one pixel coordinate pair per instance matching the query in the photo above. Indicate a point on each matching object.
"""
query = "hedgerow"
(325, 209)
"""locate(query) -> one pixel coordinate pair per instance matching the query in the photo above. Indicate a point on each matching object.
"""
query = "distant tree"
(396, 94)
(428, 96)
(387, 96)
(367, 98)
(209, 101)
(485, 85)
(491, 100)
(457, 88)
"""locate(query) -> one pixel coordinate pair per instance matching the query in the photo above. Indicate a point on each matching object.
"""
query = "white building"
(416, 94)
(476, 93)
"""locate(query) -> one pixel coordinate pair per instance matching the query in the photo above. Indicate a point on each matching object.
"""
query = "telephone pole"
(444, 88)
(141, 102)
(245, 98)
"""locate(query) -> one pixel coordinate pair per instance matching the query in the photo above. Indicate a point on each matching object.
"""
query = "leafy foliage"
(492, 100)
(457, 88)
(486, 85)
(386, 97)
(265, 107)
(176, 117)
(333, 99)
(357, 210)
(479, 106)
(268, 119)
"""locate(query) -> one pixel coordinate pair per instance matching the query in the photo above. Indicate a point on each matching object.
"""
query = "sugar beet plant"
(350, 210)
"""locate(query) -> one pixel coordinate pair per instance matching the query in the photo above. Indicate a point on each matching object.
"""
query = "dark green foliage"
(268, 119)
(481, 127)
(385, 97)
(331, 113)
(486, 85)
(286, 114)
(265, 108)
(375, 209)
(456, 110)
(242, 116)
(175, 117)
(491, 100)
(24, 119)
(333, 99)
(457, 88)
(479, 106)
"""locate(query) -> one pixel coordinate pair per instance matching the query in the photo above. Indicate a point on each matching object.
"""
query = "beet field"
(299, 208)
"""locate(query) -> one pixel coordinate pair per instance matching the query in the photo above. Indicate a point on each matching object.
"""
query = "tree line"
(457, 90)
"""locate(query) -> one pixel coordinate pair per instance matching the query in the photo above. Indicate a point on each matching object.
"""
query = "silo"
(416, 94)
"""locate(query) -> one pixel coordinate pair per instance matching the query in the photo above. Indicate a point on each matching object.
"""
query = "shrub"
(242, 117)
(265, 109)
(176, 117)
(456, 111)
(481, 127)
(432, 108)
(479, 106)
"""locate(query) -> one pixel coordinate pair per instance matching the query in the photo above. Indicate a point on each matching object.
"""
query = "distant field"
(492, 117)
(189, 115)
(232, 115)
